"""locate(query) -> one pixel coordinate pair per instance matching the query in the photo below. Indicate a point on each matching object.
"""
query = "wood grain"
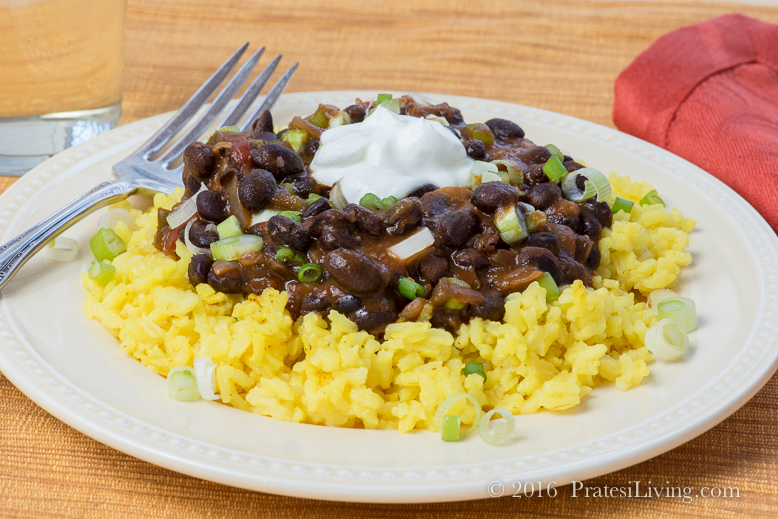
(559, 55)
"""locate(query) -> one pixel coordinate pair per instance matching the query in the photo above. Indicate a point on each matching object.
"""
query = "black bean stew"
(259, 170)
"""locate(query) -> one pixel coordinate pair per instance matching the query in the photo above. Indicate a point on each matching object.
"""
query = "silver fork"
(139, 174)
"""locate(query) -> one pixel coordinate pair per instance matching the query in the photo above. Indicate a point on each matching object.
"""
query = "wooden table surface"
(559, 55)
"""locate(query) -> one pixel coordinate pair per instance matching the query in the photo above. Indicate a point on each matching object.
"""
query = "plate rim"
(286, 479)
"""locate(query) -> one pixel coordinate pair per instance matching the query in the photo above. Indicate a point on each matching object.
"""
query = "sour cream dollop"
(390, 155)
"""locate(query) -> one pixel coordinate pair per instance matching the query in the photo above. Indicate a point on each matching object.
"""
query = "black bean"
(590, 225)
(266, 136)
(536, 155)
(593, 261)
(545, 240)
(491, 196)
(356, 113)
(200, 236)
(422, 190)
(572, 270)
(541, 196)
(277, 159)
(191, 182)
(304, 186)
(471, 258)
(580, 182)
(347, 303)
(312, 146)
(493, 306)
(504, 129)
(403, 216)
(199, 160)
(256, 189)
(535, 175)
(333, 230)
(353, 271)
(199, 267)
(318, 206)
(583, 247)
(572, 165)
(433, 268)
(541, 259)
(373, 321)
(601, 211)
(366, 220)
(315, 301)
(229, 282)
(262, 124)
(475, 149)
(211, 206)
(286, 232)
(456, 228)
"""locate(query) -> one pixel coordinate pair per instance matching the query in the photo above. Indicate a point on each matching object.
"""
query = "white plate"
(76, 371)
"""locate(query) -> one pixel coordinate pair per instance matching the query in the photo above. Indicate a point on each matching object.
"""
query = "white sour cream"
(390, 155)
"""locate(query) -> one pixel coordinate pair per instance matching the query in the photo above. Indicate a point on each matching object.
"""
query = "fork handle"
(19, 250)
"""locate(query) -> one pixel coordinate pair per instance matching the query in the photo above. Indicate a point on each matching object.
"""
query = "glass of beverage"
(60, 76)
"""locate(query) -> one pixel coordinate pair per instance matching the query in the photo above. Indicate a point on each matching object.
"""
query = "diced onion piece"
(414, 244)
(205, 375)
(444, 407)
(337, 200)
(340, 119)
(181, 384)
(622, 205)
(510, 222)
(229, 228)
(502, 430)
(106, 245)
(474, 368)
(554, 169)
(409, 289)
(553, 150)
(651, 198)
(667, 340)
(515, 174)
(263, 216)
(657, 296)
(101, 272)
(437, 118)
(552, 290)
(62, 249)
(185, 211)
(234, 247)
(488, 176)
(319, 117)
(479, 168)
(191, 247)
(596, 185)
(679, 309)
(114, 216)
(450, 430)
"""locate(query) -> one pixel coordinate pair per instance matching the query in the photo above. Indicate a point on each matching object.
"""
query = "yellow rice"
(325, 371)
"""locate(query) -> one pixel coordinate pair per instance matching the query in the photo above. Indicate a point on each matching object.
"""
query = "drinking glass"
(60, 76)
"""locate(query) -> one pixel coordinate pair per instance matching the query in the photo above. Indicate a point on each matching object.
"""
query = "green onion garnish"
(229, 129)
(622, 205)
(101, 272)
(651, 198)
(511, 224)
(680, 309)
(552, 290)
(453, 304)
(106, 245)
(298, 259)
(312, 198)
(289, 186)
(450, 431)
(481, 132)
(295, 138)
(294, 215)
(442, 411)
(515, 175)
(409, 289)
(554, 169)
(667, 340)
(474, 367)
(319, 117)
(285, 254)
(371, 201)
(309, 272)
(383, 97)
(596, 185)
(389, 201)
(229, 228)
(182, 384)
(553, 150)
(503, 428)
(387, 102)
(536, 220)
(232, 248)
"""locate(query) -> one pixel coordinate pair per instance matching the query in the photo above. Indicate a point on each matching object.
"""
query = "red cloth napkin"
(709, 93)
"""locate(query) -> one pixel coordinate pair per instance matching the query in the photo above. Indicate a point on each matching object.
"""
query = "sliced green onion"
(337, 200)
(229, 228)
(554, 169)
(502, 428)
(651, 198)
(370, 201)
(229, 129)
(289, 186)
(622, 205)
(536, 220)
(106, 245)
(488, 176)
(450, 430)
(295, 138)
(62, 249)
(511, 224)
(319, 117)
(659, 295)
(312, 198)
(383, 97)
(263, 216)
(443, 408)
(385, 100)
(595, 185)
(481, 132)
(101, 272)
(182, 384)
(285, 254)
(388, 202)
(553, 150)
(667, 340)
(298, 259)
(552, 290)
(409, 289)
(474, 367)
(680, 309)
(309, 272)
(453, 304)
(232, 248)
(340, 119)
(515, 174)
(205, 375)
(479, 169)
(294, 215)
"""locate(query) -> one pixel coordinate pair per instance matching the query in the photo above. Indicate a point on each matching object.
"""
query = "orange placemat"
(558, 55)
